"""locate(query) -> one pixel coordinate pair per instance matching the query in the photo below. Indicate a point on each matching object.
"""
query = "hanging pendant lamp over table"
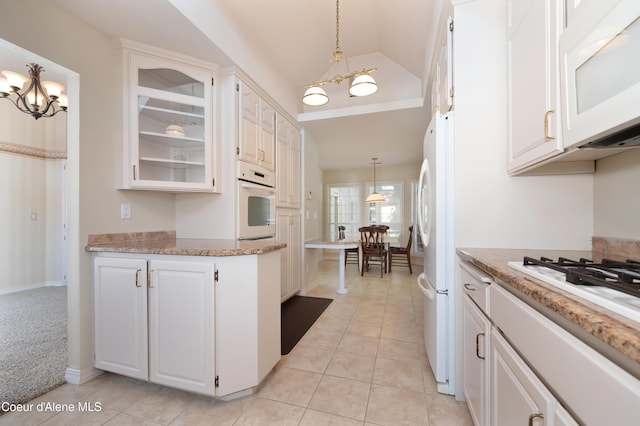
(361, 83)
(375, 197)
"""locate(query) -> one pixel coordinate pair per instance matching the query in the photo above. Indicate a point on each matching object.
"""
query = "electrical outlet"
(125, 211)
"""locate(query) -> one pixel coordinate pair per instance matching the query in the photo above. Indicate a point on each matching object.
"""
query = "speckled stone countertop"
(620, 333)
(165, 242)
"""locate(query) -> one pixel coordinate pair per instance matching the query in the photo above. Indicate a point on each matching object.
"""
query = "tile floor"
(362, 363)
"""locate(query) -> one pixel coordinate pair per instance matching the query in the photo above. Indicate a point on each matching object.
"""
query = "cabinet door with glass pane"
(170, 125)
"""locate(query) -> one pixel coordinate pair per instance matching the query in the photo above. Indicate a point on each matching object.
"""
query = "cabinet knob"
(469, 287)
(149, 281)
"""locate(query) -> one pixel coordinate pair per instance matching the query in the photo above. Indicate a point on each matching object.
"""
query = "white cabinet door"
(445, 71)
(532, 81)
(169, 123)
(476, 362)
(120, 315)
(517, 395)
(181, 325)
(289, 232)
(288, 168)
(256, 143)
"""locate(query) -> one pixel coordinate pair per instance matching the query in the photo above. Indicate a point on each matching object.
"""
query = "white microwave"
(256, 203)
(600, 74)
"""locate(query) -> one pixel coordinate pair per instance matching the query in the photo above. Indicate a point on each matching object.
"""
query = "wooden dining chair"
(373, 248)
(351, 255)
(401, 256)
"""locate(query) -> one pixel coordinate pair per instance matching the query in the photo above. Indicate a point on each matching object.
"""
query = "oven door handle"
(256, 186)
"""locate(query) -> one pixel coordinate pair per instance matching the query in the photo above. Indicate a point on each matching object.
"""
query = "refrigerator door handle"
(424, 222)
(426, 290)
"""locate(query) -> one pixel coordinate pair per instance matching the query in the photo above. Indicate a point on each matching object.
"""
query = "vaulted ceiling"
(293, 41)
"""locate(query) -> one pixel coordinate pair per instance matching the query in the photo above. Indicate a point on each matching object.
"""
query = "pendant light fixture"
(361, 83)
(375, 197)
(39, 99)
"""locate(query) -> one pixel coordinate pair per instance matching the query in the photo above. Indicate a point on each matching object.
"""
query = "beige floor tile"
(399, 331)
(399, 374)
(343, 397)
(291, 386)
(369, 314)
(364, 328)
(351, 366)
(119, 393)
(124, 419)
(309, 359)
(84, 418)
(318, 418)
(264, 412)
(402, 351)
(338, 312)
(444, 410)
(392, 406)
(320, 339)
(356, 344)
(161, 405)
(331, 324)
(205, 411)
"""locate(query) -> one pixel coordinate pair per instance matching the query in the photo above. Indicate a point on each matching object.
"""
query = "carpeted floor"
(33, 342)
(297, 316)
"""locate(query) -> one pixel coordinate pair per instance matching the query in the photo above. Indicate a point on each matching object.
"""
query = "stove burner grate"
(621, 276)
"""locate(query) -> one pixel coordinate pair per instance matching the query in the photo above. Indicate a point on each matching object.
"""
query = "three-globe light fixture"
(362, 84)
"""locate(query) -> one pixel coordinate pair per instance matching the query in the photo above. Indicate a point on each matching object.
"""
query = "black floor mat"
(298, 315)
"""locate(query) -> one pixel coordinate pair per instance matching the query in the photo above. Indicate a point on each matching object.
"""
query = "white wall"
(491, 208)
(94, 134)
(617, 196)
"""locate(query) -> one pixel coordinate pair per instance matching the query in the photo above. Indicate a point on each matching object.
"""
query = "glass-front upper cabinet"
(170, 125)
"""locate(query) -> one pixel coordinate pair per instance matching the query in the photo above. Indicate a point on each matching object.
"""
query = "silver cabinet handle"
(149, 281)
(478, 345)
(138, 278)
(535, 416)
(469, 287)
(546, 124)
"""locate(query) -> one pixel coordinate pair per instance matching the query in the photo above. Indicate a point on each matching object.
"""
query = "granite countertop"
(166, 243)
(616, 331)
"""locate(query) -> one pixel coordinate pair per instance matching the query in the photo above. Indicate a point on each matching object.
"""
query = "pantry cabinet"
(288, 166)
(256, 144)
(289, 231)
(170, 121)
(533, 114)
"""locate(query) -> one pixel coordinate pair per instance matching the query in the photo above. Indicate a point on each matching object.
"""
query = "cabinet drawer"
(593, 388)
(475, 283)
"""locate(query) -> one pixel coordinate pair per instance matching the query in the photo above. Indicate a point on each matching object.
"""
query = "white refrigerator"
(435, 223)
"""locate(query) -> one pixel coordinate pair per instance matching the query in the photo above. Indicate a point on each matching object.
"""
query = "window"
(344, 209)
(390, 211)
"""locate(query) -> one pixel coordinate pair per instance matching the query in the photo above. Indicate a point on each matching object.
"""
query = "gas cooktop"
(614, 285)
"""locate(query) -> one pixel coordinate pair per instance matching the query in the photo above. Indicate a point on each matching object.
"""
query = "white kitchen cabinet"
(181, 325)
(154, 321)
(533, 121)
(288, 230)
(120, 315)
(475, 345)
(518, 396)
(209, 325)
(288, 165)
(445, 70)
(170, 121)
(256, 144)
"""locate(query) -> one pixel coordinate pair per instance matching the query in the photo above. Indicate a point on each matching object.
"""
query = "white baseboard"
(32, 286)
(78, 377)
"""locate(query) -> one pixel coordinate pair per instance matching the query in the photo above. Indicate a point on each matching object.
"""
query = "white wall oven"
(256, 203)
(600, 74)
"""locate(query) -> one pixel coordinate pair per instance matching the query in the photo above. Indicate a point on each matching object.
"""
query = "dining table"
(336, 244)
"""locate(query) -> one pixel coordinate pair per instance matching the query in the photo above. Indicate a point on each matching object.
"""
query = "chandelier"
(375, 197)
(362, 84)
(39, 99)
